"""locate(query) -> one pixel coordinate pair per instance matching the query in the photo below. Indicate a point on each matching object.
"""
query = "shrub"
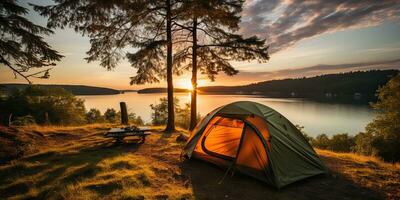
(137, 120)
(23, 121)
(110, 115)
(94, 116)
(321, 141)
(363, 144)
(45, 105)
(341, 143)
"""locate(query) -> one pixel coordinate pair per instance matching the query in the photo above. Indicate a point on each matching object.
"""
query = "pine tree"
(21, 45)
(212, 26)
(144, 27)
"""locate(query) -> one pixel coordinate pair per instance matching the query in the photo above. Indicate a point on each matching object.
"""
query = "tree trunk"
(171, 114)
(193, 102)
(124, 113)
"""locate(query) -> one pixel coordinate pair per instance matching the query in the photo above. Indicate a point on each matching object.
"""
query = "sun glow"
(185, 84)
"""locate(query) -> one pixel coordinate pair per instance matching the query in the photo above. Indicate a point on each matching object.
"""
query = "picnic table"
(120, 133)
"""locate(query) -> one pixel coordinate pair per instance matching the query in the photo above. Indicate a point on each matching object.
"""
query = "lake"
(316, 117)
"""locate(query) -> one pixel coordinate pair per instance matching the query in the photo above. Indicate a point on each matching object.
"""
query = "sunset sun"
(185, 84)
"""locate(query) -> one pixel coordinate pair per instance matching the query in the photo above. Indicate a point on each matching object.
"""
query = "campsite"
(77, 162)
(199, 99)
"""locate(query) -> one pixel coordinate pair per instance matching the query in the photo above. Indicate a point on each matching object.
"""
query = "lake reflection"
(316, 117)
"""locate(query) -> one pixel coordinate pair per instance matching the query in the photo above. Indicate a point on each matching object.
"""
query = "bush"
(110, 115)
(363, 144)
(45, 105)
(94, 116)
(23, 121)
(341, 143)
(136, 120)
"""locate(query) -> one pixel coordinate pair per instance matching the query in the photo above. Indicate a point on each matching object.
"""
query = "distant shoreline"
(74, 89)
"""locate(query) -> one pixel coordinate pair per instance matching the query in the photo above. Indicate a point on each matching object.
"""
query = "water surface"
(317, 118)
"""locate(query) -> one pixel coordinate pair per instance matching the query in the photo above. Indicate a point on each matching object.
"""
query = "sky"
(306, 38)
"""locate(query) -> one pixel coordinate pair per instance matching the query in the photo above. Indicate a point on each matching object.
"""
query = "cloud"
(284, 23)
(245, 77)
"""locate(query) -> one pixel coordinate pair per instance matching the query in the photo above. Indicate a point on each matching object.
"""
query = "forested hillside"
(74, 89)
(360, 83)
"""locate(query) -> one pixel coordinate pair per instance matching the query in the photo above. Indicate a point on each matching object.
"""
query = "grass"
(78, 163)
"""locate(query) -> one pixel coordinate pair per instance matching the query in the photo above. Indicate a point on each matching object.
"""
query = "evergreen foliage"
(211, 25)
(22, 47)
(116, 26)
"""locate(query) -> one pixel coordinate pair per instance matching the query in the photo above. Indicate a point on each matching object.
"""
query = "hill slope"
(363, 82)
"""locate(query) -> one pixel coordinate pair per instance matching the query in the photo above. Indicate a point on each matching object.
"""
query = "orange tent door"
(220, 139)
(252, 158)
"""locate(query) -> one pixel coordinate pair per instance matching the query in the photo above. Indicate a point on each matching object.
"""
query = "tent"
(255, 140)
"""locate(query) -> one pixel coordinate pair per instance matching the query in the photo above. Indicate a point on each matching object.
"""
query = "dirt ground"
(79, 163)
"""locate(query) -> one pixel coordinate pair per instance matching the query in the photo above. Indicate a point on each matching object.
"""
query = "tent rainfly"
(255, 140)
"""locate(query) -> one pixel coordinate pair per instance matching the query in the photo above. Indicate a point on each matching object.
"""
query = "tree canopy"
(21, 45)
(386, 126)
(140, 31)
(212, 25)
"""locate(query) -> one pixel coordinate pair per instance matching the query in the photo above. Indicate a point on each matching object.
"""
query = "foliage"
(322, 141)
(386, 126)
(364, 82)
(211, 25)
(363, 144)
(341, 143)
(45, 105)
(137, 120)
(382, 136)
(24, 120)
(110, 115)
(21, 44)
(94, 116)
(116, 26)
(160, 113)
(338, 142)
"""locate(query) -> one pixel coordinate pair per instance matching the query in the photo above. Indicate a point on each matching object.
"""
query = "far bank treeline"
(74, 89)
(361, 83)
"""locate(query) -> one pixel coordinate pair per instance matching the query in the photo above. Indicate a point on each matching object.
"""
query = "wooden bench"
(120, 133)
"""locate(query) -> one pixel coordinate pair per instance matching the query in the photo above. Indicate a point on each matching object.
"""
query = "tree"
(214, 22)
(116, 26)
(385, 128)
(21, 46)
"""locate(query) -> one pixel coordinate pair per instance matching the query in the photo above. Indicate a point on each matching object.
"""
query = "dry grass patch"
(369, 172)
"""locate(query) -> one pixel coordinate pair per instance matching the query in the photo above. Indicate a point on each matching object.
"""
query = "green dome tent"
(255, 140)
